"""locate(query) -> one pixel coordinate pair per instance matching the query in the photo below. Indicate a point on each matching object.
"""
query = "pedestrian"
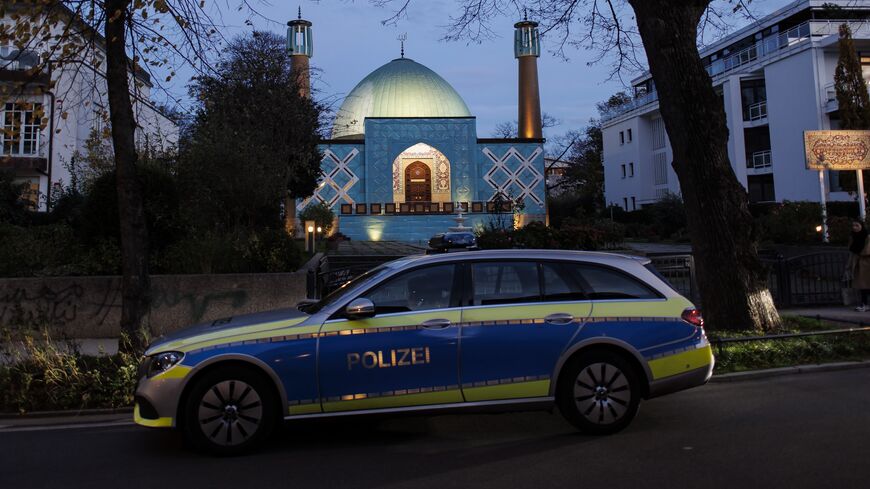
(859, 263)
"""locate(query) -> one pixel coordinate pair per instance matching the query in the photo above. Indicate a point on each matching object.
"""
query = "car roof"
(612, 259)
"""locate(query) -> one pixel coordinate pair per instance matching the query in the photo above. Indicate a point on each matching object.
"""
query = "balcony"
(759, 160)
(755, 112)
(764, 48)
(25, 163)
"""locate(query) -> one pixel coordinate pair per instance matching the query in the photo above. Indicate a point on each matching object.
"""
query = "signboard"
(837, 150)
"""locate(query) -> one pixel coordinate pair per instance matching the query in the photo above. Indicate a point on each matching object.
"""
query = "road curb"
(798, 369)
(67, 413)
(83, 414)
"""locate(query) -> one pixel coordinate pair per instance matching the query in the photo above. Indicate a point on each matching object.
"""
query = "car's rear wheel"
(230, 410)
(599, 392)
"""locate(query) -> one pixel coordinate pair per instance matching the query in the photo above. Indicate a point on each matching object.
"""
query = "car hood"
(226, 328)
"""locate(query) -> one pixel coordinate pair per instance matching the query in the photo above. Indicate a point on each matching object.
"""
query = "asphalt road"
(798, 431)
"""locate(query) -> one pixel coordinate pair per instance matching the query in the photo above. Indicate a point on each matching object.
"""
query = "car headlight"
(162, 362)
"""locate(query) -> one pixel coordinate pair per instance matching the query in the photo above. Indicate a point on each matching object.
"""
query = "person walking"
(859, 263)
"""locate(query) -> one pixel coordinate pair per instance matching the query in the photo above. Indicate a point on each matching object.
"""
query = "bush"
(44, 375)
(241, 252)
(575, 234)
(320, 213)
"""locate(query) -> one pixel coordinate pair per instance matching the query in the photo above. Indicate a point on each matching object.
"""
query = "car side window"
(605, 283)
(505, 282)
(562, 283)
(418, 290)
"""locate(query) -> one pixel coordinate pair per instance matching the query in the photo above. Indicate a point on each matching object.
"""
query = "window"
(21, 127)
(629, 135)
(633, 204)
(621, 138)
(562, 283)
(631, 169)
(604, 283)
(418, 290)
(658, 133)
(623, 171)
(625, 203)
(660, 168)
(505, 283)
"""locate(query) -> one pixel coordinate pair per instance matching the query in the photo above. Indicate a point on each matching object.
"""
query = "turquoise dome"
(400, 88)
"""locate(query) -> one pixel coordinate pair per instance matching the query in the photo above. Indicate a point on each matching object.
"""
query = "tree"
(509, 129)
(137, 37)
(731, 278)
(852, 98)
(253, 139)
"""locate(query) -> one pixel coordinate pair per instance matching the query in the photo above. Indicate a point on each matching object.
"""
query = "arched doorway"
(438, 166)
(418, 182)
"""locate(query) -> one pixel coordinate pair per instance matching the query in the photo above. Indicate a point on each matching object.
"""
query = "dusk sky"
(350, 42)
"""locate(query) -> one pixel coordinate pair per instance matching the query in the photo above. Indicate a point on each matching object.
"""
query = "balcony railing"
(756, 111)
(761, 49)
(759, 160)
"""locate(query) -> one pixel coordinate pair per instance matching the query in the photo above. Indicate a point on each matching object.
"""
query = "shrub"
(241, 252)
(48, 375)
(320, 213)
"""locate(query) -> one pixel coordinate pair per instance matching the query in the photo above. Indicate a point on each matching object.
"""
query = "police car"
(592, 333)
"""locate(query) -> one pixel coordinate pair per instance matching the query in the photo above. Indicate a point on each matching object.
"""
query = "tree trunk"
(135, 281)
(731, 278)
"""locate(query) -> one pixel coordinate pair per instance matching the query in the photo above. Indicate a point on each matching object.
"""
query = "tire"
(230, 410)
(599, 393)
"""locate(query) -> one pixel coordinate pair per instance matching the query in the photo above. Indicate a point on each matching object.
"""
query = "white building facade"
(46, 118)
(776, 78)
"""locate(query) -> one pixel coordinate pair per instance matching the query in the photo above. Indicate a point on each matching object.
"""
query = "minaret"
(527, 49)
(300, 46)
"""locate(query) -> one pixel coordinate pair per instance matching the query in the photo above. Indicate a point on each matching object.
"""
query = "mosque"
(404, 157)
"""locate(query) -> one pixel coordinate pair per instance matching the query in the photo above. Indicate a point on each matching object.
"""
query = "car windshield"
(339, 292)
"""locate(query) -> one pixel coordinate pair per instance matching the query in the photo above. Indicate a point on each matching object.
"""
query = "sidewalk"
(844, 314)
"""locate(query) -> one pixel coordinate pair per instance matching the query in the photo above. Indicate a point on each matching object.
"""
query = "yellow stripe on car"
(538, 388)
(256, 331)
(151, 423)
(359, 401)
(681, 362)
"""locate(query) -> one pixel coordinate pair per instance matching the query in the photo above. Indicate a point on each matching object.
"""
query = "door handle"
(559, 318)
(436, 323)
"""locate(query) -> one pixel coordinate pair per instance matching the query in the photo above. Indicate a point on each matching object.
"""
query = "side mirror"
(360, 308)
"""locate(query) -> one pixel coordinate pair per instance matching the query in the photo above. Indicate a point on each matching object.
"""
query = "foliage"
(13, 209)
(45, 374)
(253, 140)
(761, 354)
(321, 214)
(99, 214)
(796, 222)
(509, 129)
(852, 98)
(267, 250)
(574, 234)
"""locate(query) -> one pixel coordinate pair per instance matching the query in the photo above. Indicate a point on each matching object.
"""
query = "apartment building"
(47, 117)
(776, 79)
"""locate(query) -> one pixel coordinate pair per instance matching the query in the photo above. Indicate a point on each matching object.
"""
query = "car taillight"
(693, 316)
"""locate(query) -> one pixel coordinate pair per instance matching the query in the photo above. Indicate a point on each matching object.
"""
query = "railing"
(756, 111)
(719, 342)
(814, 278)
(759, 160)
(762, 48)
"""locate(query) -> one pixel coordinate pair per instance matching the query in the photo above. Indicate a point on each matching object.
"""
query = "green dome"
(400, 88)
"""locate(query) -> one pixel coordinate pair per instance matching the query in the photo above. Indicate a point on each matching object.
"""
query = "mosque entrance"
(418, 182)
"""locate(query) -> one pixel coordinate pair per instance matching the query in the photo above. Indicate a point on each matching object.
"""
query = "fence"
(809, 279)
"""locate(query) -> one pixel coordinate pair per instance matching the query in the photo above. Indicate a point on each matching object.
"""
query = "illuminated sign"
(837, 150)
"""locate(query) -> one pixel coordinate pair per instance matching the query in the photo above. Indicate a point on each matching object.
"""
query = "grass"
(762, 354)
(43, 376)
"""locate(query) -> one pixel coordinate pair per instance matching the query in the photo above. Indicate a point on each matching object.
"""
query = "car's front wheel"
(599, 393)
(230, 410)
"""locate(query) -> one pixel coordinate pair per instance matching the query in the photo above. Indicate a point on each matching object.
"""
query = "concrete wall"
(90, 307)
